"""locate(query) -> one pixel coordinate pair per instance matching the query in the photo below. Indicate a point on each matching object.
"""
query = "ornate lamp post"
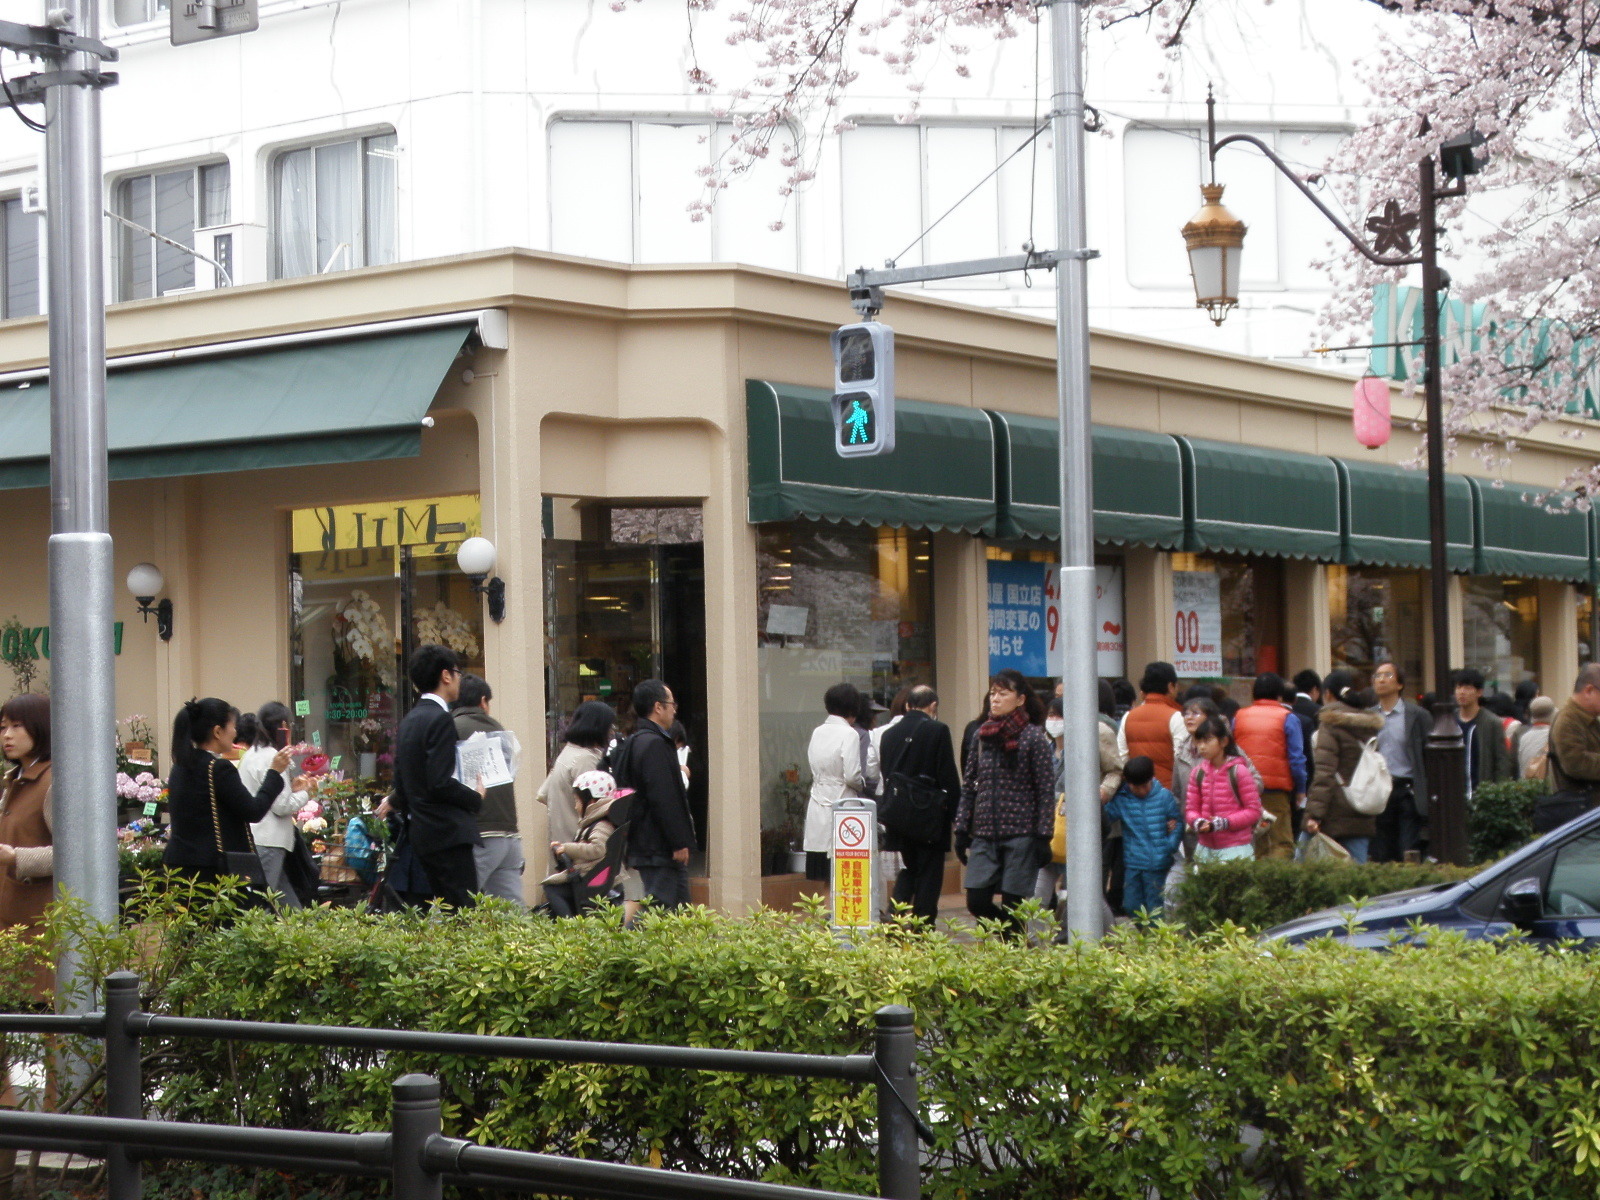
(1215, 240)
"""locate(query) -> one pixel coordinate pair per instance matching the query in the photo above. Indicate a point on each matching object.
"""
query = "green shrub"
(1258, 894)
(1124, 1068)
(1500, 817)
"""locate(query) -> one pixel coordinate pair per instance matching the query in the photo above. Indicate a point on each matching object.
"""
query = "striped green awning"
(322, 402)
(1251, 500)
(1388, 517)
(1138, 482)
(941, 474)
(1522, 537)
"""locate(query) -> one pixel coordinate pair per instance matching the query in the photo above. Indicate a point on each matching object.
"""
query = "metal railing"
(414, 1154)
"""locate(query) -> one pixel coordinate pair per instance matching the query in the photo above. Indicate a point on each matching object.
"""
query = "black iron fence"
(415, 1155)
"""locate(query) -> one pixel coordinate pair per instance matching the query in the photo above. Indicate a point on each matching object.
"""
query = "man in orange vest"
(1270, 733)
(1155, 728)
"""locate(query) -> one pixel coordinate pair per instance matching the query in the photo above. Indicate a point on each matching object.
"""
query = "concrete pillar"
(1307, 634)
(1458, 639)
(1558, 636)
(960, 626)
(175, 547)
(1147, 608)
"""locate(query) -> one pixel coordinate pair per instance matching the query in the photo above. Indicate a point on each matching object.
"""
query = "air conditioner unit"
(240, 248)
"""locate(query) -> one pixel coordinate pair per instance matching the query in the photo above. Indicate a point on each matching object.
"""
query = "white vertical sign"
(1197, 623)
(1110, 635)
(1052, 620)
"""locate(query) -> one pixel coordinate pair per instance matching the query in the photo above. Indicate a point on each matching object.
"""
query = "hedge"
(1258, 894)
(1124, 1068)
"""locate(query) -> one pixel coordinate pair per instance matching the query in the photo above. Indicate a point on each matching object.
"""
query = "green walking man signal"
(863, 395)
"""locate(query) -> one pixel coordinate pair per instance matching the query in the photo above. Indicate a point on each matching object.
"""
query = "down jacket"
(1212, 797)
(1148, 844)
(1341, 732)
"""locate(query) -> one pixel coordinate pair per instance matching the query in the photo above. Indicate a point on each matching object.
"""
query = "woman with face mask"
(1110, 776)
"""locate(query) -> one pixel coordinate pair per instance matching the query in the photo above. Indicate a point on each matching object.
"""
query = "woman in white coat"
(274, 833)
(837, 772)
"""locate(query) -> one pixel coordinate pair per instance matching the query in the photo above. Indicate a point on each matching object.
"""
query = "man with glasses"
(1401, 741)
(660, 831)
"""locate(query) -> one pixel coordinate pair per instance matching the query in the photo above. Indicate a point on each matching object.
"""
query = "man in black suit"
(917, 747)
(660, 831)
(440, 811)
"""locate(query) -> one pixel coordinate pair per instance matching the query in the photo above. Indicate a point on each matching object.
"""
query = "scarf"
(1006, 730)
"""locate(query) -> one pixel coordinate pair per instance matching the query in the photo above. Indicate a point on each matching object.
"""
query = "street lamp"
(1215, 240)
(476, 559)
(145, 582)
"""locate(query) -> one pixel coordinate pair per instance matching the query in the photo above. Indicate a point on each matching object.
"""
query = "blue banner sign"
(1017, 604)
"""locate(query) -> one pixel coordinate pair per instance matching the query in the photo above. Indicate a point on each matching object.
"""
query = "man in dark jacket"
(1488, 756)
(440, 811)
(660, 831)
(1402, 742)
(498, 856)
(1573, 760)
(917, 747)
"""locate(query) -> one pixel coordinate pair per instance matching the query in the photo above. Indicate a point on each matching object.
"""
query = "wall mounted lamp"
(476, 560)
(145, 581)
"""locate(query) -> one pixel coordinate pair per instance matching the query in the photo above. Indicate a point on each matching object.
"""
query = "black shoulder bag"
(246, 864)
(1557, 808)
(912, 808)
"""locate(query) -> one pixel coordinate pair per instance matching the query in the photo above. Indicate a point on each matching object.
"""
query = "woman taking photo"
(210, 807)
(26, 855)
(274, 834)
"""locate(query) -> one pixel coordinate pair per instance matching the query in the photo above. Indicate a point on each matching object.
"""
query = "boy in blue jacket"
(1152, 827)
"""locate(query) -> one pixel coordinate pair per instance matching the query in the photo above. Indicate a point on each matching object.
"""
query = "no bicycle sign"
(855, 845)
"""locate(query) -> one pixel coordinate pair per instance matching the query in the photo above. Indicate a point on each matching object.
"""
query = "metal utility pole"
(1080, 746)
(83, 710)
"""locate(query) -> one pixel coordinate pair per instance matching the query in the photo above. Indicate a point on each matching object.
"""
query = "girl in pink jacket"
(1223, 803)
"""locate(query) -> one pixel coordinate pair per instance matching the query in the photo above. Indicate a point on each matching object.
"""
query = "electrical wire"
(12, 101)
(1001, 166)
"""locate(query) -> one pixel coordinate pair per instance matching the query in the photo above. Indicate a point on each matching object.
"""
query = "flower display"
(360, 627)
(310, 811)
(446, 627)
(139, 789)
(314, 825)
(315, 763)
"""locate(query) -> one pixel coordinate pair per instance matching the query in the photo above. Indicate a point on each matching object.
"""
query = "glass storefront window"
(1376, 615)
(368, 584)
(1111, 635)
(1585, 624)
(1501, 627)
(835, 603)
(1251, 617)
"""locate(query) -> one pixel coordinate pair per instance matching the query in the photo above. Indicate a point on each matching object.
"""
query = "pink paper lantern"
(1370, 411)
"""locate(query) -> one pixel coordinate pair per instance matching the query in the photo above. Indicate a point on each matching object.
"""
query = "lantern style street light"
(1215, 240)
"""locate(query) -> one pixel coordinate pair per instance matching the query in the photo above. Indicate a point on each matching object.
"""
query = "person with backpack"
(1223, 805)
(661, 833)
(1345, 727)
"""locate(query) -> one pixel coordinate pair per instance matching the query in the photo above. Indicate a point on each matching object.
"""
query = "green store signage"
(22, 642)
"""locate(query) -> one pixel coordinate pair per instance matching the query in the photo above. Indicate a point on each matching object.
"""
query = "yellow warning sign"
(854, 839)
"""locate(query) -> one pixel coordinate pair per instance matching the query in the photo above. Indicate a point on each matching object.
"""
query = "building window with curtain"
(173, 204)
(1375, 615)
(20, 233)
(335, 206)
(1501, 626)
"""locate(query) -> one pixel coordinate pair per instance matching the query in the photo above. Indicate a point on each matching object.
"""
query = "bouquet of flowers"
(360, 627)
(141, 788)
(446, 627)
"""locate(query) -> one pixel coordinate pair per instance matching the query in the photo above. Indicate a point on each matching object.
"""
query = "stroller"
(592, 865)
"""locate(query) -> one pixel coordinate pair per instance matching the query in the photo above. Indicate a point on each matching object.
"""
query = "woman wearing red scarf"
(1007, 810)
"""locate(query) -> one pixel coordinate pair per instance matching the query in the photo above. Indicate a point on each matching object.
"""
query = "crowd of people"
(1188, 776)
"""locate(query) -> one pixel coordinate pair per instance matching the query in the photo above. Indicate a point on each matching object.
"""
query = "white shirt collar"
(437, 699)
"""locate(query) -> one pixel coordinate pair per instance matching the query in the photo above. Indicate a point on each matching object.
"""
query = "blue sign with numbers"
(1017, 618)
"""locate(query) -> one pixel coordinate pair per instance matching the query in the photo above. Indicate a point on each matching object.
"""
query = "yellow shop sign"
(439, 522)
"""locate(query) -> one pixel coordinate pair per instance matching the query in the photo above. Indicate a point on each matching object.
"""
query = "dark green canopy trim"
(1388, 517)
(940, 476)
(1138, 482)
(1251, 500)
(322, 402)
(1521, 537)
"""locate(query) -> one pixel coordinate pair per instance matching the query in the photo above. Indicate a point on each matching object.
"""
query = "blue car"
(1549, 890)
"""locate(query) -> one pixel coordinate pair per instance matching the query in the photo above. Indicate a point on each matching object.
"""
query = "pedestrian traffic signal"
(863, 390)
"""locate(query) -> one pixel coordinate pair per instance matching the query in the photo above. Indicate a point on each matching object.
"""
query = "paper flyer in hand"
(489, 757)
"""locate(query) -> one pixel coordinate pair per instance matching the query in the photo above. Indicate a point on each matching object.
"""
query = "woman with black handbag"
(210, 807)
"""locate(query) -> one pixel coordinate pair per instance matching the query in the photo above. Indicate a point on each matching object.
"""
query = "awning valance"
(323, 402)
(1519, 537)
(1138, 482)
(1251, 500)
(940, 476)
(1388, 517)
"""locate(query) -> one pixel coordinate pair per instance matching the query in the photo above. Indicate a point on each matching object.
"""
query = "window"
(1376, 615)
(900, 179)
(622, 190)
(335, 206)
(136, 12)
(19, 234)
(173, 204)
(1161, 190)
(1574, 889)
(1500, 628)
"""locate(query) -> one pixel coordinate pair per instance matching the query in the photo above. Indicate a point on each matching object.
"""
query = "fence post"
(124, 1082)
(416, 1119)
(899, 1160)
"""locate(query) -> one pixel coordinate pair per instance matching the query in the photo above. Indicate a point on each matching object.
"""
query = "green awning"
(1388, 517)
(323, 402)
(941, 474)
(1520, 537)
(1138, 482)
(1251, 500)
